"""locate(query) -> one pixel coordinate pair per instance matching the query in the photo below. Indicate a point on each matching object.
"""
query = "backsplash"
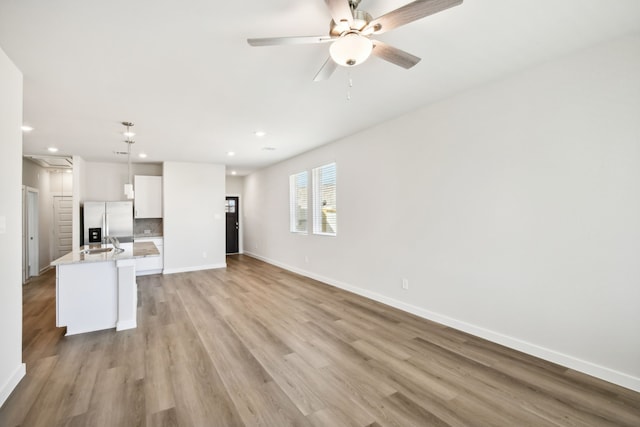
(148, 227)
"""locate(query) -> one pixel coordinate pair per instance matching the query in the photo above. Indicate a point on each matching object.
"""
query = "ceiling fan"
(351, 29)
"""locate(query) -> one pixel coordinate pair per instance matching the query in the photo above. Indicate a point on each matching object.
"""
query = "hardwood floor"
(256, 345)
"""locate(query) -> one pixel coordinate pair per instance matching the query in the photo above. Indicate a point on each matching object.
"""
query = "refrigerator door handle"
(105, 226)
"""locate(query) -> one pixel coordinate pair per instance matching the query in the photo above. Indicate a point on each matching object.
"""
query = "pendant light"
(128, 187)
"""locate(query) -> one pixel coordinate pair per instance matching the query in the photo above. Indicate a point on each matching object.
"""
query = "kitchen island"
(96, 287)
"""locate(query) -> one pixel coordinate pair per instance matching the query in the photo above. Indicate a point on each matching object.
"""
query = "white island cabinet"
(98, 290)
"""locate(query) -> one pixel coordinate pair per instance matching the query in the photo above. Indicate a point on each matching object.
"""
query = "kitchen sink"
(96, 251)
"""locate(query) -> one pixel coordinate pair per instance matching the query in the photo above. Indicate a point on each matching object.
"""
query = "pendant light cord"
(128, 188)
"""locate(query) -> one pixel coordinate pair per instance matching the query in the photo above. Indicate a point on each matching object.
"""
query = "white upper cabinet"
(148, 196)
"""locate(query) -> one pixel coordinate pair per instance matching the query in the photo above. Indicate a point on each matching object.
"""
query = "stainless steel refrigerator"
(108, 219)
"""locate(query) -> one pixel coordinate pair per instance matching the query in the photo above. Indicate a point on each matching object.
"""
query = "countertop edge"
(132, 251)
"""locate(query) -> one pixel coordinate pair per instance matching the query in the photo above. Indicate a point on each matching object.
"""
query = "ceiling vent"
(52, 162)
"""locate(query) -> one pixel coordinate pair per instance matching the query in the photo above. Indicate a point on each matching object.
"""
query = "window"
(324, 200)
(298, 190)
(230, 206)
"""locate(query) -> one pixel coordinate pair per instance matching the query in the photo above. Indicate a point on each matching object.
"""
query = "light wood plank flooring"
(254, 345)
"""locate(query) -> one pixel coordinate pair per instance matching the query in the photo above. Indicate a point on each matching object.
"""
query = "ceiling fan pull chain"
(350, 85)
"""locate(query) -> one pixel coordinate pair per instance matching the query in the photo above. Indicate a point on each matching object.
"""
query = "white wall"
(48, 182)
(105, 180)
(194, 218)
(234, 185)
(60, 182)
(11, 367)
(512, 209)
(37, 177)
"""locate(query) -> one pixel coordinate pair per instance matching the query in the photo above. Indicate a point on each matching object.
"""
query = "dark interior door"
(233, 226)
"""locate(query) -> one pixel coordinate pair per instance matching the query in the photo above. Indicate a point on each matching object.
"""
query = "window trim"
(317, 200)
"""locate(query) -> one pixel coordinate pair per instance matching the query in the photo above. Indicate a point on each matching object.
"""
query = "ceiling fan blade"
(327, 69)
(277, 41)
(394, 55)
(340, 10)
(409, 13)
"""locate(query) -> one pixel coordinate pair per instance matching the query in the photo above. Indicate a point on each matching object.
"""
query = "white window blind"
(298, 201)
(324, 200)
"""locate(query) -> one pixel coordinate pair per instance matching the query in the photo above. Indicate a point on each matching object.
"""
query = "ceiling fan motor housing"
(360, 20)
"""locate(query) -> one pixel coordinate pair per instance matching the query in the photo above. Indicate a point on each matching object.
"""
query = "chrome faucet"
(115, 242)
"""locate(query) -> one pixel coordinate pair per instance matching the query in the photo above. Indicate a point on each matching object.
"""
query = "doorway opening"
(30, 243)
(232, 208)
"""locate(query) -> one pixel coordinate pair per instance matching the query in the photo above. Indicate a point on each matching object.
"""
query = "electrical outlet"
(204, 254)
(405, 284)
(306, 259)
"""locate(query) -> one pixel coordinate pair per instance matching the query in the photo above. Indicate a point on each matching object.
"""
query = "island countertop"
(131, 251)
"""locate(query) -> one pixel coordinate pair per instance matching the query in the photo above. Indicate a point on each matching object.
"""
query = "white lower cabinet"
(150, 265)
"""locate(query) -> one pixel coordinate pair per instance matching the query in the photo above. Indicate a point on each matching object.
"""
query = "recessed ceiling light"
(142, 155)
(259, 133)
(269, 148)
(68, 171)
(52, 149)
(26, 128)
(233, 172)
(231, 153)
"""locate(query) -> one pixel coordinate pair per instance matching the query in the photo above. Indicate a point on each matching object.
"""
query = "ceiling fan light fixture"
(351, 49)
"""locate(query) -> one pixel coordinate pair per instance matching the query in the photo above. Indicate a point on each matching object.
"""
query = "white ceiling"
(185, 75)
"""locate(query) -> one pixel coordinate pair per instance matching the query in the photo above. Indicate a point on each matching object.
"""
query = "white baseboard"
(602, 372)
(194, 268)
(148, 272)
(72, 331)
(12, 382)
(128, 324)
(45, 269)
